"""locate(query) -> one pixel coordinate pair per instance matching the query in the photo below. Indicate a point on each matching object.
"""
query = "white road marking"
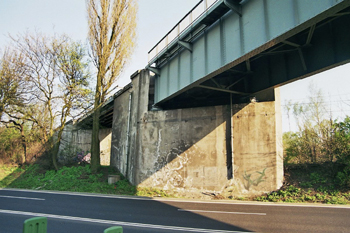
(110, 222)
(26, 198)
(220, 212)
(164, 200)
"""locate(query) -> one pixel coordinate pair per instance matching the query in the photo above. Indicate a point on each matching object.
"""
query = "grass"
(303, 184)
(74, 179)
(310, 183)
(297, 195)
(6, 170)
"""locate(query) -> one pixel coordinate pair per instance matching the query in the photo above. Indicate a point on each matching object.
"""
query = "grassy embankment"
(303, 183)
(73, 179)
(310, 183)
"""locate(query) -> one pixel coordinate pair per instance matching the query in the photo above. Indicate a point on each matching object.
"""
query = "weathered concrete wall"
(257, 147)
(184, 148)
(75, 140)
(119, 133)
(190, 149)
(126, 147)
(105, 146)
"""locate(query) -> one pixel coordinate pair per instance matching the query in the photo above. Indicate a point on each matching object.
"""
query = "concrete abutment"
(208, 148)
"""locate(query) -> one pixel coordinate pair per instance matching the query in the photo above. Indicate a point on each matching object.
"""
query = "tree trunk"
(24, 144)
(95, 141)
(56, 146)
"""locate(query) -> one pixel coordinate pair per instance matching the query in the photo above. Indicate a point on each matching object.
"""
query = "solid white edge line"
(220, 212)
(80, 194)
(276, 204)
(26, 198)
(130, 224)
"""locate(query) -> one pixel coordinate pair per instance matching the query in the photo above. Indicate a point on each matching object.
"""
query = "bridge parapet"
(188, 21)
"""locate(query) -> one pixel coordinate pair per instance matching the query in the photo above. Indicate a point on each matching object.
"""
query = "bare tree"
(112, 31)
(13, 93)
(56, 71)
(314, 140)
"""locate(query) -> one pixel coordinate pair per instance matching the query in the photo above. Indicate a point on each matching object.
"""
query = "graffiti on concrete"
(255, 182)
(169, 167)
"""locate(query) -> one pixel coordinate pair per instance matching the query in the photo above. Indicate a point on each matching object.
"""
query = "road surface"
(89, 213)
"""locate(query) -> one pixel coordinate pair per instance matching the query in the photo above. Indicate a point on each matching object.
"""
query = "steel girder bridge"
(227, 51)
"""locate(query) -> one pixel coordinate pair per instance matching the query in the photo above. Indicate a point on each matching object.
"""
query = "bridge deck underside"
(321, 45)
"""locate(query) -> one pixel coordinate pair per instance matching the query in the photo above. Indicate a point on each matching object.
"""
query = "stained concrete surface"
(196, 149)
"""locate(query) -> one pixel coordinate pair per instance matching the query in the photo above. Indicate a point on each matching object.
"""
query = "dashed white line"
(26, 198)
(220, 212)
(110, 222)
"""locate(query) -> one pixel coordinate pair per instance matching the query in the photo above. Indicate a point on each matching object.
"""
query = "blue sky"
(155, 19)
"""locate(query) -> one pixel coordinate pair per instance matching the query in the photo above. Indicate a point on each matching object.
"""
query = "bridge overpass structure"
(204, 115)
(232, 50)
(205, 112)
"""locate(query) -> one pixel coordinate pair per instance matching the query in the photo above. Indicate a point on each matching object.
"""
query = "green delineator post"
(114, 230)
(35, 225)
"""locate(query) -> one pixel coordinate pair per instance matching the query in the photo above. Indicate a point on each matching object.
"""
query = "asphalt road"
(72, 212)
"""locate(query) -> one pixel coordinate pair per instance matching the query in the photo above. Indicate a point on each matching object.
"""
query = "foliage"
(315, 140)
(8, 139)
(335, 149)
(75, 179)
(317, 156)
(11, 144)
(319, 138)
(54, 75)
(112, 30)
(12, 88)
(312, 183)
(298, 195)
(152, 192)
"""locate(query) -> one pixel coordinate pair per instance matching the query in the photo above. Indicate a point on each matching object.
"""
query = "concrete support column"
(257, 146)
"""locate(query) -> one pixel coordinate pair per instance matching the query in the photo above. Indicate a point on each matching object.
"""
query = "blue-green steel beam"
(234, 6)
(186, 45)
(266, 28)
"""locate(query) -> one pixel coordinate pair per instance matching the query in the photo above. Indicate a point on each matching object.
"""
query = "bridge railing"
(202, 7)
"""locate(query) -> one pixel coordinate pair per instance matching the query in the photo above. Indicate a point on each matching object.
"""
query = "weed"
(322, 189)
(260, 198)
(152, 192)
(306, 184)
(309, 198)
(291, 200)
(293, 191)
